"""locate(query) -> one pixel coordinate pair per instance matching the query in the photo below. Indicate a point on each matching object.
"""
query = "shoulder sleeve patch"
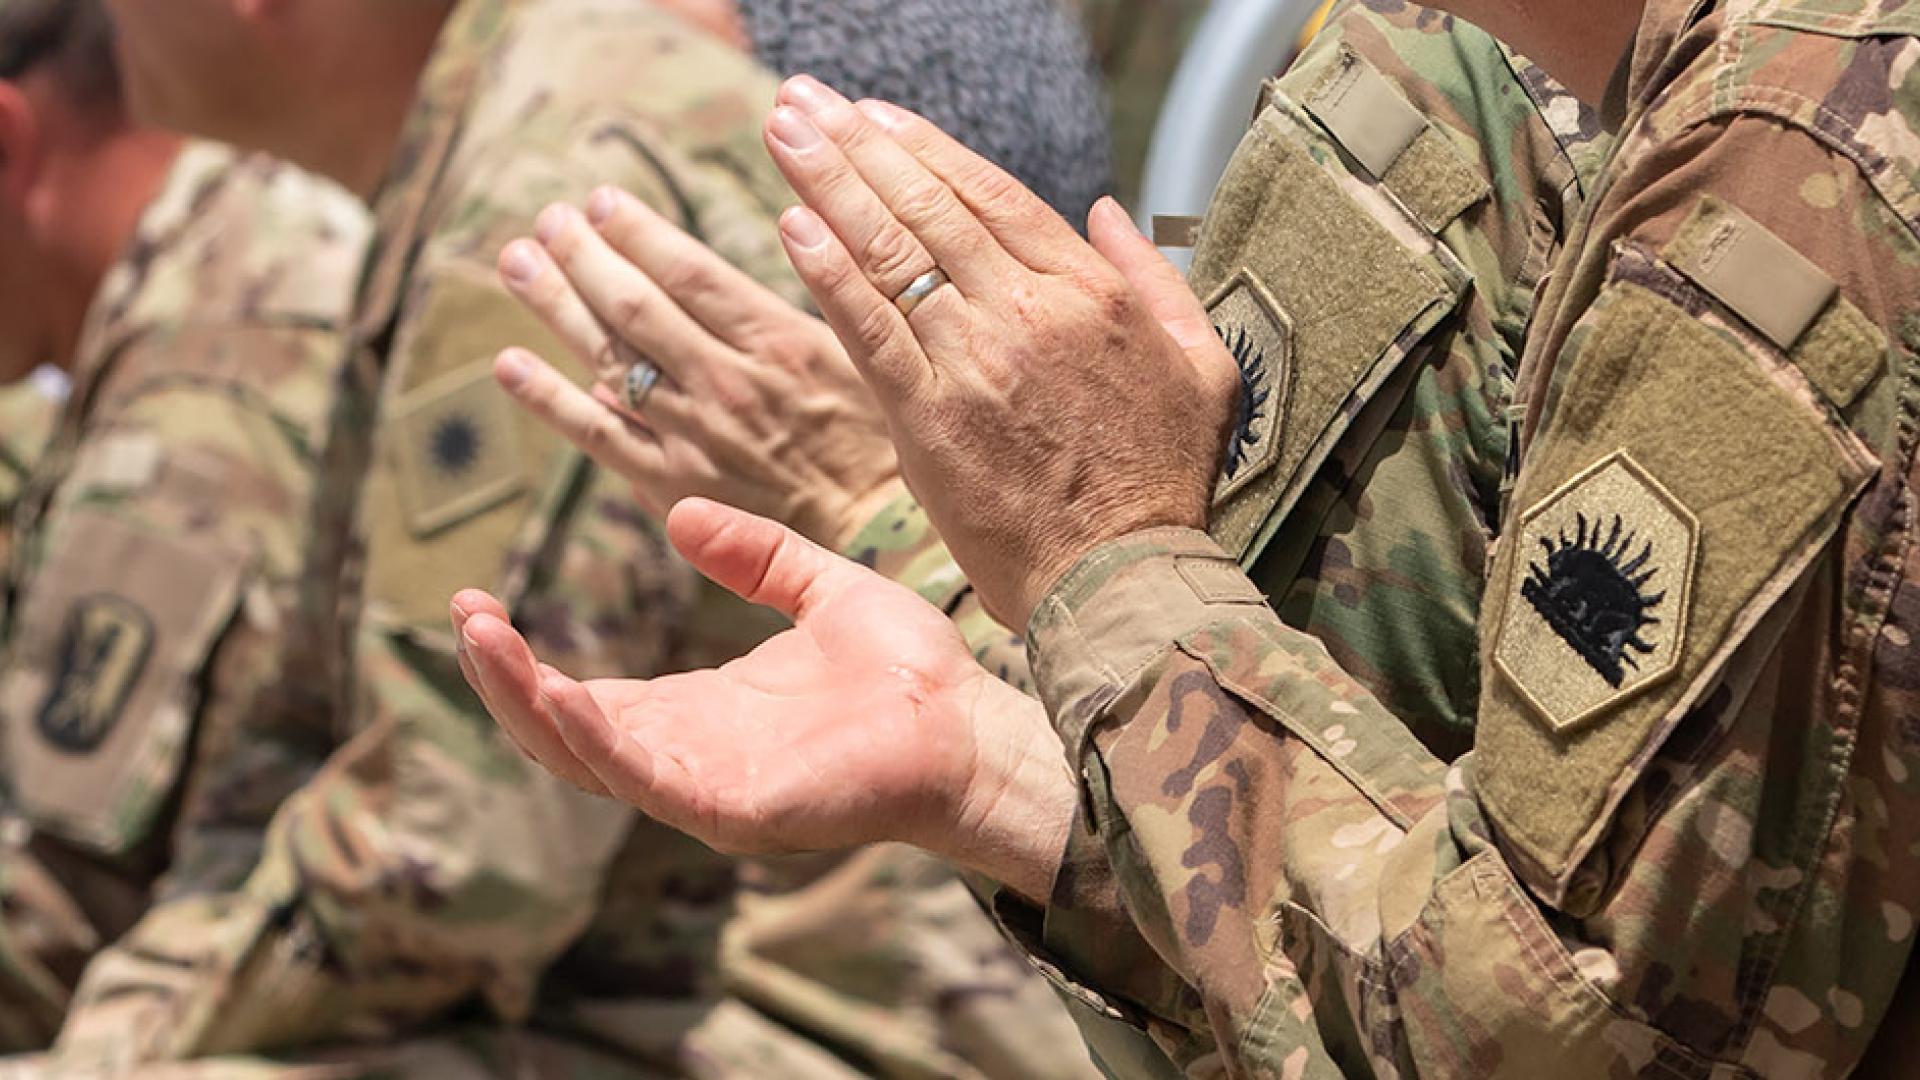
(455, 449)
(1607, 583)
(102, 674)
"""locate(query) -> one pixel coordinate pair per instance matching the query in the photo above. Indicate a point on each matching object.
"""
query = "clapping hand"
(1045, 394)
(748, 400)
(868, 721)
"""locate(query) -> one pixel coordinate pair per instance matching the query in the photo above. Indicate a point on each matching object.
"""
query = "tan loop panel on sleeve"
(1366, 114)
(1321, 284)
(101, 685)
(1653, 536)
(1393, 141)
(1781, 294)
(1177, 231)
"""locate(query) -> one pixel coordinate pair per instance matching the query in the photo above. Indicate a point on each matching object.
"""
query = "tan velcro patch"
(1175, 230)
(456, 449)
(1755, 273)
(1366, 114)
(1601, 612)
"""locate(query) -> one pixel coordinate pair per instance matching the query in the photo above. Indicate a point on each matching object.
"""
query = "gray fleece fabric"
(1013, 79)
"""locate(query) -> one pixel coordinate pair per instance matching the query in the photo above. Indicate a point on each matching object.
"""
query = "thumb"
(1163, 288)
(756, 559)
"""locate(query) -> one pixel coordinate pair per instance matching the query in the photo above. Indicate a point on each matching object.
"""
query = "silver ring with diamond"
(642, 378)
(921, 288)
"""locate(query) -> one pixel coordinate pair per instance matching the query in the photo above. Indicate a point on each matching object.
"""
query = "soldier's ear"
(20, 145)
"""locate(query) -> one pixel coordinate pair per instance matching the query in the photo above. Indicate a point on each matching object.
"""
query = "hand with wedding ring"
(710, 383)
(1045, 394)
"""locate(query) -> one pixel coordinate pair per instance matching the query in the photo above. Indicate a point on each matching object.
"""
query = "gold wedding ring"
(921, 288)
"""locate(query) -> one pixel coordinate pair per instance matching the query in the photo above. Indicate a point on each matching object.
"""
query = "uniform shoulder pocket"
(1319, 262)
(103, 679)
(1693, 466)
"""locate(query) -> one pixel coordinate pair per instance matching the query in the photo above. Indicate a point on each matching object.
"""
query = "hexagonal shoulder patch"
(1597, 608)
(1259, 335)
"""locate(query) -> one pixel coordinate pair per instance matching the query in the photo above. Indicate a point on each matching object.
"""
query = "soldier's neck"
(96, 195)
(1578, 42)
(358, 107)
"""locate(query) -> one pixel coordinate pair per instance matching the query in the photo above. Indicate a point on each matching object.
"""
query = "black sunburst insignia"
(455, 444)
(1595, 597)
(1253, 395)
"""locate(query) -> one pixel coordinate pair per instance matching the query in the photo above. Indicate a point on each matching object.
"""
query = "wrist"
(1017, 806)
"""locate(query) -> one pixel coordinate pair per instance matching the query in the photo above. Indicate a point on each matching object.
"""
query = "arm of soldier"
(426, 865)
(1332, 892)
(1327, 887)
(213, 477)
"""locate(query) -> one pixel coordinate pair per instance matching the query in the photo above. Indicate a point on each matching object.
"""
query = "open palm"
(867, 721)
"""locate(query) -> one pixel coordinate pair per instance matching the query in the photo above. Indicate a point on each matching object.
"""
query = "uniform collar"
(1663, 26)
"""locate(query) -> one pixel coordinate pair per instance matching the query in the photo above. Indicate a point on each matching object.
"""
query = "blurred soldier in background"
(151, 722)
(428, 882)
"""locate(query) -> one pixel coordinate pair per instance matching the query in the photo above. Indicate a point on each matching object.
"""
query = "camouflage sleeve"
(1638, 867)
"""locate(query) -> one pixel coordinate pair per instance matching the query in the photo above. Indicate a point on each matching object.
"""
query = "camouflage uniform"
(430, 874)
(1379, 548)
(151, 723)
(1680, 844)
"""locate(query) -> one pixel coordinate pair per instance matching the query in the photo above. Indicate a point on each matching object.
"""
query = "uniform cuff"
(1121, 607)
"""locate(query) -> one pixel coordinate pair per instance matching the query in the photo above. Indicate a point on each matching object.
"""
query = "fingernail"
(1111, 205)
(809, 93)
(467, 639)
(793, 129)
(549, 223)
(803, 228)
(459, 613)
(519, 264)
(600, 205)
(511, 369)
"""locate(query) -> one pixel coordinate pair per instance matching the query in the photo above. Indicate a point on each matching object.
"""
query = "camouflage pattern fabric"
(1378, 551)
(1677, 847)
(430, 884)
(151, 724)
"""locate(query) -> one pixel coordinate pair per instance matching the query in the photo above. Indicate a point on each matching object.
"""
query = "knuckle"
(689, 278)
(891, 255)
(922, 202)
(875, 327)
(993, 187)
(633, 310)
